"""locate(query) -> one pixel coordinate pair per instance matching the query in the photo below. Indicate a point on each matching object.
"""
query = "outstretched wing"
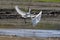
(36, 19)
(19, 11)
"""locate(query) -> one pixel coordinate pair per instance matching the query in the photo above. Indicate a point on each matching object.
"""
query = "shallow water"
(30, 32)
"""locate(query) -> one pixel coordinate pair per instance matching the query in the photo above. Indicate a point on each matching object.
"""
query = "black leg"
(25, 20)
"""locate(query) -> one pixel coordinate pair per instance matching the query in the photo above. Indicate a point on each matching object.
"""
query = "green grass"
(6, 26)
(42, 0)
(46, 0)
(18, 23)
(48, 26)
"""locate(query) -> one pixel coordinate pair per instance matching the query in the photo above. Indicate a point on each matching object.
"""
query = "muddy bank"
(24, 38)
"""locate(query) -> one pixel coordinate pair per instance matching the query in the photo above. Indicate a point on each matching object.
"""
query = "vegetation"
(38, 0)
(41, 25)
(46, 0)
(6, 26)
(45, 23)
(48, 26)
(41, 0)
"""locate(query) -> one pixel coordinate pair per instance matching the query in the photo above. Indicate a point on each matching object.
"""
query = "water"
(30, 32)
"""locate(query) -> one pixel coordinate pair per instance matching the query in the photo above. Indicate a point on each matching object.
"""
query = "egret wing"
(19, 11)
(36, 19)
